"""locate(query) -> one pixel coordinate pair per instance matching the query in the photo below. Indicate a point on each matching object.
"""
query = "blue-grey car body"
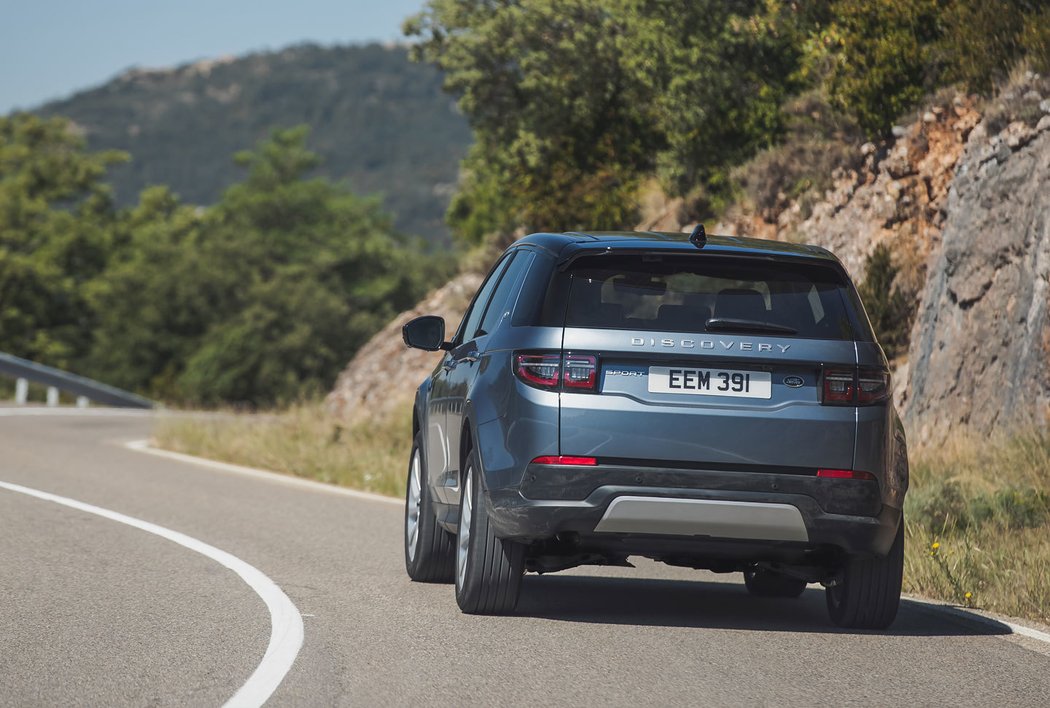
(659, 445)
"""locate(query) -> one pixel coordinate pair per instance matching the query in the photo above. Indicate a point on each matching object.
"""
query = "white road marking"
(286, 479)
(286, 624)
(987, 620)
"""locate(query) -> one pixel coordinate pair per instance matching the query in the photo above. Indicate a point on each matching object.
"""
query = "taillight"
(838, 387)
(873, 385)
(572, 460)
(859, 386)
(845, 474)
(542, 370)
(581, 371)
(574, 372)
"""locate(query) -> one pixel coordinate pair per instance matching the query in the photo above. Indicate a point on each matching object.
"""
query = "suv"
(717, 404)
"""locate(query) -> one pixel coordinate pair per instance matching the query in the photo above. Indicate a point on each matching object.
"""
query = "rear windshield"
(712, 294)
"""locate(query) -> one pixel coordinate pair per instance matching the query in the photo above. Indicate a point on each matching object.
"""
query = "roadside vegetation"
(978, 517)
(302, 440)
(576, 106)
(978, 512)
(258, 299)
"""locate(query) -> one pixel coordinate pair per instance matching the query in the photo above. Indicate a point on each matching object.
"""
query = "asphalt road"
(94, 612)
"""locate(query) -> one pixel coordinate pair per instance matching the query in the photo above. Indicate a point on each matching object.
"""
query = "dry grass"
(304, 441)
(985, 502)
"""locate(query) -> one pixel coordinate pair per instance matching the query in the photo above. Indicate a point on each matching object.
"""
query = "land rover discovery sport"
(715, 403)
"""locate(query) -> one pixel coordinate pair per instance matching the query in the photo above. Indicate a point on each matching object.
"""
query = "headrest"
(741, 304)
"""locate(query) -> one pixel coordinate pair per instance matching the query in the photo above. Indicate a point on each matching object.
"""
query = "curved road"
(97, 612)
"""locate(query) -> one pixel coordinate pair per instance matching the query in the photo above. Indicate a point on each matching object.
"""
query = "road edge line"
(286, 623)
(255, 472)
(973, 616)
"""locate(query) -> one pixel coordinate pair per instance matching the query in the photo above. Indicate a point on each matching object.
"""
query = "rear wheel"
(488, 569)
(761, 582)
(869, 593)
(429, 549)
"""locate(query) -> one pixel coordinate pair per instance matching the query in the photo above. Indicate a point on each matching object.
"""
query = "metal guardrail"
(24, 370)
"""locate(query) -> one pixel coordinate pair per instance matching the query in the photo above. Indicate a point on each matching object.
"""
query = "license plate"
(710, 382)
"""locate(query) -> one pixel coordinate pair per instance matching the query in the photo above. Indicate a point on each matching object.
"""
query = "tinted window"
(503, 297)
(709, 294)
(473, 317)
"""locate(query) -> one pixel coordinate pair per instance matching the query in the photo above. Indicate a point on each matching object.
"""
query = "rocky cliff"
(980, 349)
(898, 197)
(963, 199)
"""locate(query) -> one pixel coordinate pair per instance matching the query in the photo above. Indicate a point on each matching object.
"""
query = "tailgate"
(653, 405)
(709, 361)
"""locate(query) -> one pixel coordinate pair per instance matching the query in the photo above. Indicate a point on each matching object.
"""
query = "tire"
(430, 551)
(870, 591)
(488, 569)
(767, 583)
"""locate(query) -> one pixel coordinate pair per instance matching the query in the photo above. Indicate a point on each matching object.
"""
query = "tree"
(160, 292)
(263, 297)
(572, 103)
(56, 229)
(890, 310)
(883, 56)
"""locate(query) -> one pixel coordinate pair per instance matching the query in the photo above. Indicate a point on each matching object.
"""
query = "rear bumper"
(705, 518)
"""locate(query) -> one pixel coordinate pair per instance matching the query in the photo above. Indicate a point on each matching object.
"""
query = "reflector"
(845, 474)
(565, 460)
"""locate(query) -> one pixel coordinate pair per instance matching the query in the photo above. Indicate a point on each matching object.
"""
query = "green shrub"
(890, 310)
(1035, 39)
(1019, 100)
(819, 140)
(944, 508)
(982, 39)
(882, 58)
(938, 507)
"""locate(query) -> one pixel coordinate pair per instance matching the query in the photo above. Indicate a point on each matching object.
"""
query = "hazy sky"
(52, 48)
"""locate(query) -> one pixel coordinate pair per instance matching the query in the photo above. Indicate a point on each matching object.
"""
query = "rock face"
(382, 378)
(897, 197)
(980, 351)
(967, 215)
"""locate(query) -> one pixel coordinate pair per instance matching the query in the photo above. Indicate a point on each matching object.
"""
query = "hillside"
(961, 196)
(378, 121)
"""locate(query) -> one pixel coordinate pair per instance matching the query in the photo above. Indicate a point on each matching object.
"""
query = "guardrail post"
(82, 402)
(21, 391)
(52, 396)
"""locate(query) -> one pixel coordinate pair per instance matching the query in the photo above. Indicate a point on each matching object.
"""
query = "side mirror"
(426, 332)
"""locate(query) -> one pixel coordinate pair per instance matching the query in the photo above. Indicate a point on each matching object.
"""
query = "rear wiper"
(728, 324)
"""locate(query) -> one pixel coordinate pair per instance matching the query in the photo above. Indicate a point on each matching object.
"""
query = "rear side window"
(472, 320)
(712, 294)
(503, 297)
